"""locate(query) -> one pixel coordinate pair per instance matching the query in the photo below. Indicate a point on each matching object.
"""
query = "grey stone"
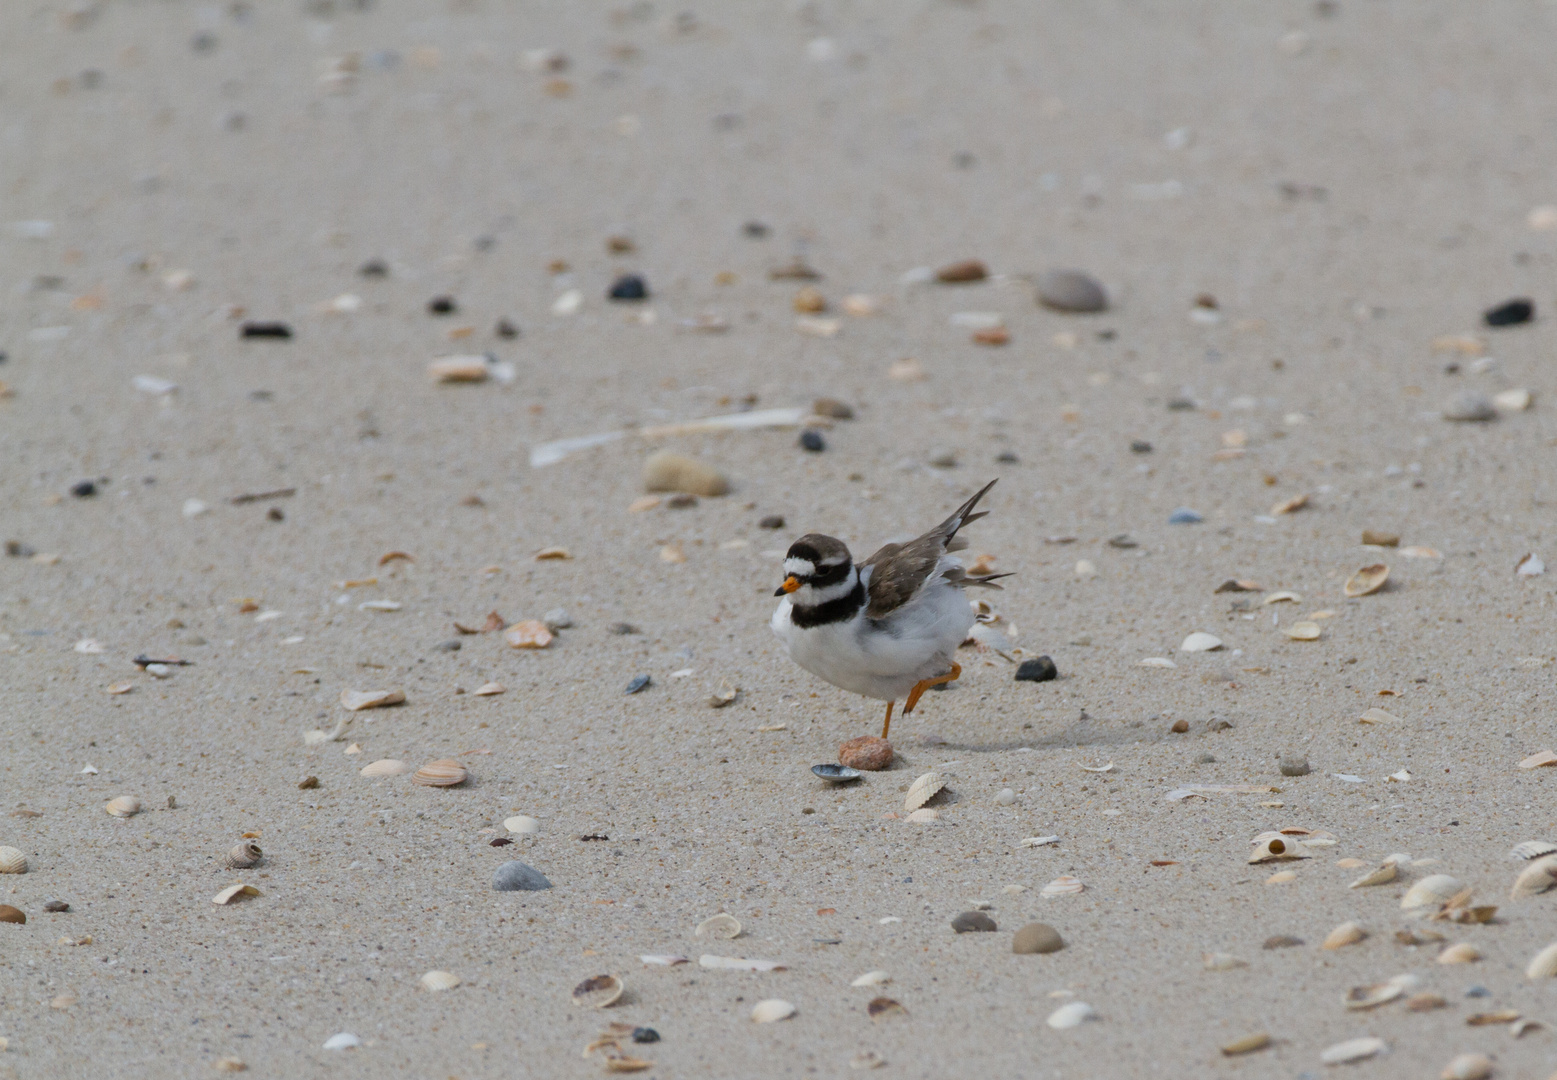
(973, 920)
(1470, 407)
(516, 876)
(1037, 938)
(1071, 290)
(1293, 765)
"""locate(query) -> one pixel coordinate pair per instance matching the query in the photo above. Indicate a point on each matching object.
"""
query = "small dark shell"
(639, 682)
(11, 914)
(838, 774)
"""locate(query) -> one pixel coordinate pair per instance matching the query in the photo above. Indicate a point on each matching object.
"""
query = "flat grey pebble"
(451, 645)
(1293, 765)
(1071, 290)
(557, 619)
(972, 920)
(943, 459)
(1205, 759)
(516, 876)
(1470, 407)
(639, 682)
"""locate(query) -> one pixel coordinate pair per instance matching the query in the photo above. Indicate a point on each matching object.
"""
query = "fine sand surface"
(1349, 181)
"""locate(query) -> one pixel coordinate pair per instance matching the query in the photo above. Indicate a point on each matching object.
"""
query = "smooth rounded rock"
(1039, 669)
(670, 471)
(628, 287)
(516, 876)
(1293, 765)
(1470, 407)
(1185, 516)
(1511, 313)
(1037, 937)
(973, 921)
(1071, 290)
(866, 753)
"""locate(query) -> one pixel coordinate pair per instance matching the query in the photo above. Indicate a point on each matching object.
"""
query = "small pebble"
(56, 906)
(374, 268)
(943, 459)
(1205, 759)
(1477, 992)
(442, 305)
(516, 876)
(277, 330)
(1006, 457)
(1037, 938)
(1180, 727)
(755, 230)
(645, 1035)
(959, 273)
(84, 489)
(832, 408)
(1470, 407)
(640, 682)
(1039, 669)
(308, 783)
(771, 521)
(1511, 313)
(505, 329)
(1282, 941)
(628, 287)
(681, 501)
(970, 921)
(1185, 516)
(811, 439)
(452, 645)
(1179, 404)
(557, 619)
(1140, 446)
(1293, 765)
(1071, 290)
(622, 629)
(866, 753)
(1005, 797)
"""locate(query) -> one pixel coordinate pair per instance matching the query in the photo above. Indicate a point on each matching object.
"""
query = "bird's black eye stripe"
(829, 575)
(804, 551)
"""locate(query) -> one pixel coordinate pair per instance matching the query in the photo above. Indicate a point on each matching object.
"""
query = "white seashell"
(1200, 641)
(244, 855)
(738, 963)
(12, 861)
(379, 605)
(664, 959)
(123, 806)
(1304, 631)
(1368, 997)
(1040, 841)
(1062, 886)
(872, 978)
(923, 815)
(1221, 961)
(721, 926)
(923, 790)
(370, 699)
(772, 1010)
(233, 892)
(521, 823)
(489, 689)
(1282, 877)
(1277, 847)
(385, 767)
(1156, 661)
(440, 980)
(1543, 965)
(1005, 797)
(1348, 933)
(1530, 566)
(1382, 875)
(1368, 580)
(1539, 759)
(598, 992)
(1533, 849)
(1430, 891)
(1461, 952)
(1072, 1015)
(1278, 597)
(445, 772)
(1378, 716)
(345, 1040)
(1468, 1067)
(1353, 1050)
(1536, 878)
(89, 646)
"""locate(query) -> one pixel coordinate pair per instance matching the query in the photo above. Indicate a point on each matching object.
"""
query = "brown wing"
(898, 571)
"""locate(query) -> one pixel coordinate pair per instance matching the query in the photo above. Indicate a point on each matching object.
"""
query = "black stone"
(275, 514)
(1041, 669)
(756, 230)
(442, 305)
(772, 521)
(84, 489)
(1006, 457)
(1140, 446)
(628, 287)
(279, 330)
(811, 439)
(506, 329)
(374, 268)
(1510, 314)
(18, 550)
(645, 1035)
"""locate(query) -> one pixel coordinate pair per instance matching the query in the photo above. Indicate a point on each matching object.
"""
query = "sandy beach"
(235, 236)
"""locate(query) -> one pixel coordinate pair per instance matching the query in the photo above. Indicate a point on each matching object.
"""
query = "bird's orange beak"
(791, 583)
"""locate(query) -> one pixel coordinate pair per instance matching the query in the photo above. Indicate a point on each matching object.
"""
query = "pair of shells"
(244, 855)
(1435, 890)
(922, 791)
(123, 806)
(12, 861)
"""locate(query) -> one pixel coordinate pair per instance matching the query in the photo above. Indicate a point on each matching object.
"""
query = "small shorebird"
(887, 627)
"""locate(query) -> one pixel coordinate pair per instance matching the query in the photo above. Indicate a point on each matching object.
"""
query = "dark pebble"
(681, 501)
(278, 330)
(203, 42)
(56, 906)
(973, 921)
(645, 1035)
(501, 841)
(628, 287)
(1040, 669)
(442, 305)
(374, 268)
(452, 645)
(308, 783)
(622, 629)
(1006, 457)
(1122, 541)
(640, 682)
(1180, 727)
(811, 439)
(275, 514)
(772, 521)
(1179, 404)
(1477, 992)
(756, 230)
(1510, 314)
(1282, 941)
(516, 876)
(832, 407)
(505, 329)
(83, 490)
(1140, 446)
(18, 550)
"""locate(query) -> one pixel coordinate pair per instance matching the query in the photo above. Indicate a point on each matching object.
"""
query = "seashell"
(1367, 581)
(1543, 965)
(619, 1063)
(1425, 1002)
(1536, 878)
(1519, 1027)
(866, 752)
(385, 767)
(723, 927)
(230, 1064)
(725, 695)
(598, 992)
(884, 1008)
(63, 1001)
(664, 959)
(1383, 875)
(1533, 849)
(489, 689)
(1422, 936)
(343, 1040)
(1434, 890)
(458, 369)
(1349, 864)
(1072, 1015)
(1246, 1045)
(1304, 631)
(772, 1010)
(529, 634)
(12, 861)
(11, 914)
(866, 1059)
(1287, 506)
(1276, 847)
(1200, 641)
(234, 892)
(1348, 933)
(379, 605)
(521, 823)
(923, 790)
(1282, 877)
(440, 980)
(1499, 1016)
(445, 772)
(1468, 915)
(1460, 953)
(356, 700)
(1284, 595)
(738, 963)
(923, 815)
(1221, 961)
(244, 855)
(838, 774)
(872, 978)
(1468, 1067)
(1378, 716)
(1353, 1050)
(1537, 760)
(1368, 997)
(123, 806)
(1039, 841)
(669, 471)
(1062, 886)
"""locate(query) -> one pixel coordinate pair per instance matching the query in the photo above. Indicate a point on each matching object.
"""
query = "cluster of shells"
(445, 772)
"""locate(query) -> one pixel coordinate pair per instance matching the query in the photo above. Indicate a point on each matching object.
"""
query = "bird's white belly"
(882, 660)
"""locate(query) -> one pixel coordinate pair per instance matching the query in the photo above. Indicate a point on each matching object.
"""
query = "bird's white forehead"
(799, 567)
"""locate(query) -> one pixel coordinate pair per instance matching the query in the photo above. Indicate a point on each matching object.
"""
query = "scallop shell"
(1431, 891)
(1348, 933)
(1304, 631)
(923, 790)
(1072, 1015)
(445, 772)
(1368, 580)
(521, 823)
(1461, 952)
(772, 1010)
(1383, 875)
(1543, 965)
(1353, 1050)
(1271, 848)
(722, 926)
(1468, 1067)
(923, 814)
(123, 806)
(1062, 886)
(12, 861)
(244, 855)
(1533, 849)
(598, 992)
(1536, 878)
(385, 767)
(233, 892)
(440, 980)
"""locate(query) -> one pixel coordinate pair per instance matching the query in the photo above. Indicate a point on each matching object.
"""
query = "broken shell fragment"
(1062, 886)
(884, 1008)
(1371, 997)
(445, 772)
(1246, 1045)
(723, 927)
(1383, 875)
(1418, 936)
(922, 815)
(1543, 965)
(1461, 952)
(872, 978)
(1539, 760)
(669, 471)
(458, 369)
(1200, 641)
(489, 689)
(1221, 961)
(1468, 1067)
(923, 790)
(1273, 848)
(521, 823)
(1348, 933)
(244, 855)
(772, 1010)
(356, 700)
(1352, 1050)
(440, 980)
(598, 992)
(12, 861)
(529, 634)
(234, 892)
(1305, 631)
(1434, 890)
(1533, 849)
(1368, 580)
(385, 767)
(1072, 1015)
(1425, 1002)
(123, 806)
(738, 963)
(1536, 878)
(1287, 506)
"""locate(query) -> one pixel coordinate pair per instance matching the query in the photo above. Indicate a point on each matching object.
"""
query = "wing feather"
(899, 571)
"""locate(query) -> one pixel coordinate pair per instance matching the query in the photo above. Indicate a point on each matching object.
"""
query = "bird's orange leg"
(920, 687)
(888, 722)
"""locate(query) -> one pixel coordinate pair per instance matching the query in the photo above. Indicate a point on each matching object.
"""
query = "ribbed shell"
(12, 861)
(386, 767)
(244, 855)
(923, 790)
(445, 772)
